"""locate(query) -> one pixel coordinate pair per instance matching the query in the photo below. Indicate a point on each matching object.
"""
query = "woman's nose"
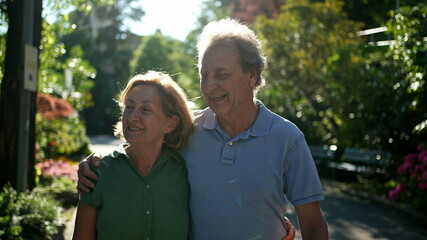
(133, 115)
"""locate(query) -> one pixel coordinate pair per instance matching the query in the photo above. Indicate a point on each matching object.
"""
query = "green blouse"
(131, 206)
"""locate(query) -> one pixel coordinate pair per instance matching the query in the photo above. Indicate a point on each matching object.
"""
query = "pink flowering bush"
(412, 180)
(58, 168)
(58, 178)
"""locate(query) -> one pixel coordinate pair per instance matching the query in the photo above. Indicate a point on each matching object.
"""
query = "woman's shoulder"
(173, 154)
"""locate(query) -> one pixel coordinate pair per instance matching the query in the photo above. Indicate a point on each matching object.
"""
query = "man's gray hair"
(238, 37)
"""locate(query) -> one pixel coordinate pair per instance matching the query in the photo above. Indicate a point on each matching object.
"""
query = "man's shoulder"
(281, 125)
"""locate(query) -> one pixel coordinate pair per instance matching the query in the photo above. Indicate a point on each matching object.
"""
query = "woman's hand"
(291, 230)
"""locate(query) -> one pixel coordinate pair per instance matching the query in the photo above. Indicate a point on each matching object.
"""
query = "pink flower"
(404, 167)
(51, 168)
(418, 168)
(393, 194)
(422, 185)
(410, 157)
(401, 187)
(420, 147)
(423, 156)
(424, 176)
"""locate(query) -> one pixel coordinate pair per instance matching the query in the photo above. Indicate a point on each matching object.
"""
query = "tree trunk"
(11, 88)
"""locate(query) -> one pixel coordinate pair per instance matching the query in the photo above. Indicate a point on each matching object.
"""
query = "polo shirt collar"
(259, 128)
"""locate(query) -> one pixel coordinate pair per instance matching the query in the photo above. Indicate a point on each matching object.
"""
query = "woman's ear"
(172, 123)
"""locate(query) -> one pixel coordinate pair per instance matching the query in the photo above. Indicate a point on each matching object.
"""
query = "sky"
(173, 17)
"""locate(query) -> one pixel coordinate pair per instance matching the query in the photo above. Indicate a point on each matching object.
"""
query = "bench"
(323, 154)
(335, 162)
(361, 161)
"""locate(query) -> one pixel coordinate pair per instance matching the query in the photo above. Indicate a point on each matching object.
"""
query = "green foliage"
(61, 188)
(409, 54)
(154, 53)
(27, 215)
(54, 62)
(158, 52)
(340, 90)
(299, 44)
(394, 85)
(374, 13)
(108, 47)
(62, 137)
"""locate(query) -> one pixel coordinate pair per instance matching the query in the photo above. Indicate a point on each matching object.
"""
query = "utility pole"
(29, 85)
(18, 94)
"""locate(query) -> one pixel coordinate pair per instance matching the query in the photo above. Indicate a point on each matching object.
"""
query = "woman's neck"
(144, 158)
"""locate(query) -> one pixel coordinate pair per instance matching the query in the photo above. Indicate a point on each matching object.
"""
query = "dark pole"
(17, 99)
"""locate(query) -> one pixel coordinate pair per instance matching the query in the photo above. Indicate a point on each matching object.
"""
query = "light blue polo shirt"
(240, 187)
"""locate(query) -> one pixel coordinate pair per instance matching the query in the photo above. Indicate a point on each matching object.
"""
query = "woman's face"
(144, 120)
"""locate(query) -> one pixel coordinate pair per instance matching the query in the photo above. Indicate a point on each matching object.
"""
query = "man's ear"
(253, 78)
(172, 123)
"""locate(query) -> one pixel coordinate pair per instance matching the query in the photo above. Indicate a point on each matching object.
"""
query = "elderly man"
(245, 163)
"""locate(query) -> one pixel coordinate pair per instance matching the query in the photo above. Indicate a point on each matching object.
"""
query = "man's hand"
(85, 174)
(291, 230)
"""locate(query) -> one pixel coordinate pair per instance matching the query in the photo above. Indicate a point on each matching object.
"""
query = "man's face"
(226, 87)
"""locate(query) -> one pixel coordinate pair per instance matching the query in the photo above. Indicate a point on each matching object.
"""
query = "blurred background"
(350, 74)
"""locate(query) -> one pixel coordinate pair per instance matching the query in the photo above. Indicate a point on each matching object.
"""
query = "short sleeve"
(93, 198)
(301, 181)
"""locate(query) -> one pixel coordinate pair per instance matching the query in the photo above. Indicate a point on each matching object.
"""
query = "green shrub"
(62, 188)
(62, 137)
(27, 215)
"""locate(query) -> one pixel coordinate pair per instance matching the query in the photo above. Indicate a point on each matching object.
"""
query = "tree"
(12, 84)
(109, 47)
(154, 53)
(381, 90)
(12, 88)
(162, 53)
(374, 13)
(299, 44)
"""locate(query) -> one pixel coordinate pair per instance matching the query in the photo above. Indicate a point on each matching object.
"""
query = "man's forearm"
(318, 232)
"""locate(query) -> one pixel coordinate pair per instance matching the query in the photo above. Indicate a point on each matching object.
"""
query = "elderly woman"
(142, 191)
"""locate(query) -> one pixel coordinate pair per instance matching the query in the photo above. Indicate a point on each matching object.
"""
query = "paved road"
(103, 144)
(349, 216)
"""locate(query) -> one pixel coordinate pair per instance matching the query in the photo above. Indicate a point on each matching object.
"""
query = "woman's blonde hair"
(174, 102)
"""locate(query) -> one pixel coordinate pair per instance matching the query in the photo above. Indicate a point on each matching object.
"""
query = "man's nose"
(209, 83)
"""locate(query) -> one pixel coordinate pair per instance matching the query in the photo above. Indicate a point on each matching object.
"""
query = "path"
(354, 217)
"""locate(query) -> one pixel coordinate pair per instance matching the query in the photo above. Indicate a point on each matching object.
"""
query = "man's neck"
(239, 121)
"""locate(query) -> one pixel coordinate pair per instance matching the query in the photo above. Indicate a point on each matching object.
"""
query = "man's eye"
(146, 110)
(222, 75)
